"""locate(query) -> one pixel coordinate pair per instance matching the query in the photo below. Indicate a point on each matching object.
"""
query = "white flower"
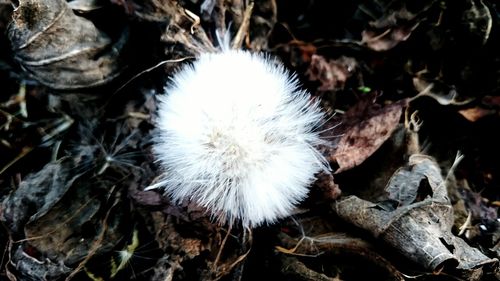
(237, 136)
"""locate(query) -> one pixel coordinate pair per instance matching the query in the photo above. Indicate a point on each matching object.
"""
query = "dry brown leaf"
(414, 182)
(25, 267)
(397, 21)
(327, 186)
(439, 91)
(476, 113)
(332, 74)
(489, 105)
(60, 49)
(50, 219)
(37, 193)
(388, 39)
(419, 230)
(364, 128)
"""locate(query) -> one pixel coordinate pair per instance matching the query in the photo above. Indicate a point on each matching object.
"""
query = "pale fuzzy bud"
(237, 136)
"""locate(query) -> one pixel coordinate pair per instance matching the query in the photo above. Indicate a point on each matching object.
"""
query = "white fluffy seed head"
(237, 136)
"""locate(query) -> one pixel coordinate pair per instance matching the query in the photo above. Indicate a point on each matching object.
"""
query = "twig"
(217, 258)
(141, 73)
(23, 153)
(243, 30)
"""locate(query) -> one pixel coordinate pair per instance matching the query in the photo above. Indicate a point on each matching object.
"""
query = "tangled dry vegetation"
(412, 88)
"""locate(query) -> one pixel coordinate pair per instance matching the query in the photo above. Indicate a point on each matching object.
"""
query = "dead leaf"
(55, 224)
(421, 230)
(387, 39)
(332, 74)
(489, 105)
(327, 186)
(60, 49)
(364, 128)
(476, 113)
(395, 24)
(442, 93)
(26, 267)
(55, 233)
(414, 182)
(35, 196)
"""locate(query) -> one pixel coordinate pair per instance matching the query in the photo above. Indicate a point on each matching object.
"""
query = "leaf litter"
(407, 86)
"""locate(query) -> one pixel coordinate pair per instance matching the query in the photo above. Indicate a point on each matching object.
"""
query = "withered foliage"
(411, 89)
(61, 49)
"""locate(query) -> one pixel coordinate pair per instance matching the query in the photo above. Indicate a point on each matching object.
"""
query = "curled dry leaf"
(31, 268)
(364, 128)
(332, 74)
(475, 113)
(69, 216)
(54, 222)
(327, 186)
(439, 91)
(420, 230)
(489, 105)
(60, 49)
(415, 182)
(387, 39)
(36, 195)
(397, 21)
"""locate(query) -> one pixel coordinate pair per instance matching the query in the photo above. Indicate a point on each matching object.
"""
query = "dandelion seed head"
(237, 136)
